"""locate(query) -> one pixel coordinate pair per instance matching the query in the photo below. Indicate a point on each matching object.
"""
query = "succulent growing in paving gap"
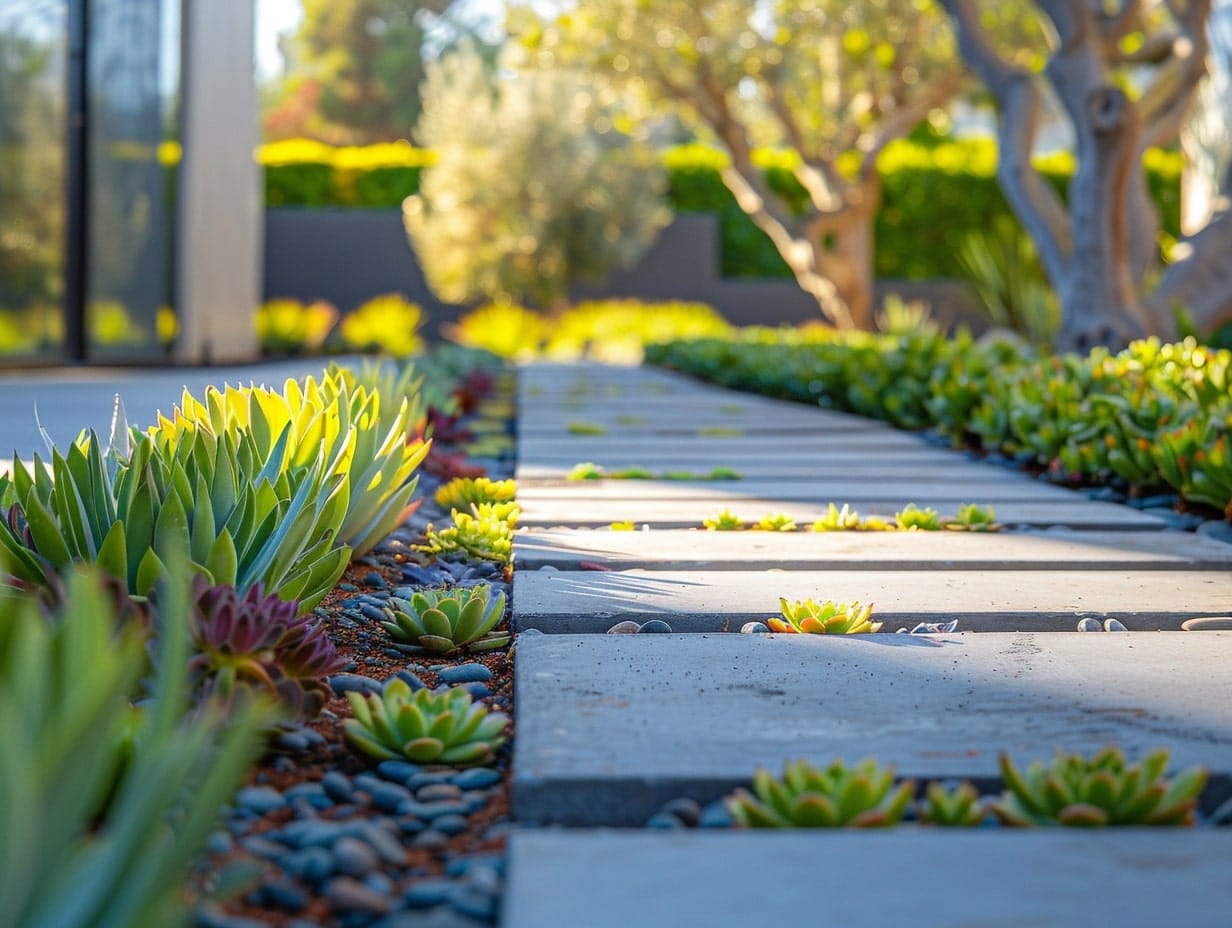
(775, 522)
(1103, 790)
(724, 521)
(912, 518)
(971, 517)
(580, 427)
(461, 492)
(427, 727)
(445, 621)
(837, 520)
(586, 471)
(260, 640)
(860, 796)
(828, 618)
(959, 806)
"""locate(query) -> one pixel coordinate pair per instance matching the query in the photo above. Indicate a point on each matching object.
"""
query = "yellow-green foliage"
(484, 533)
(332, 420)
(463, 491)
(287, 326)
(605, 330)
(387, 324)
(505, 329)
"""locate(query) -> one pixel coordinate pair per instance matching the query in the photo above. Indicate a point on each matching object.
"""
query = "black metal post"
(76, 254)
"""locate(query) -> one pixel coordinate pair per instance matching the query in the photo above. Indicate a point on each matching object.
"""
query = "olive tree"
(535, 187)
(831, 80)
(1125, 73)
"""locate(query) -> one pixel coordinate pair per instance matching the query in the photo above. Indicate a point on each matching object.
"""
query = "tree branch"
(1033, 200)
(906, 118)
(1198, 280)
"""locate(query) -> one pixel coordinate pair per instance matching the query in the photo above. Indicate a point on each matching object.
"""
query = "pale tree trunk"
(1099, 252)
(829, 249)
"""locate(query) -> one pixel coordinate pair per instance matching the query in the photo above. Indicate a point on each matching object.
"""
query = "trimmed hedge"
(953, 180)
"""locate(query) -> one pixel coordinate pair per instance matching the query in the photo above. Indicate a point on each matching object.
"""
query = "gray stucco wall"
(347, 256)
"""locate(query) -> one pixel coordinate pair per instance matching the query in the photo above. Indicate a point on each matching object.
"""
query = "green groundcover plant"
(1152, 416)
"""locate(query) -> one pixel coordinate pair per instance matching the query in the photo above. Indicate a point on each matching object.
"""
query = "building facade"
(129, 200)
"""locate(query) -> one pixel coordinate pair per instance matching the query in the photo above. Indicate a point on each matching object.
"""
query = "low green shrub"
(919, 182)
(1151, 415)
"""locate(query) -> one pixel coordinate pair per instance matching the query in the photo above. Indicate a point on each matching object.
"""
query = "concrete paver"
(1044, 879)
(1005, 600)
(611, 726)
(690, 513)
(695, 549)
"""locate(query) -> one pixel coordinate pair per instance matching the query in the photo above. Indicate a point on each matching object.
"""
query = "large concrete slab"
(694, 549)
(936, 466)
(1010, 488)
(649, 448)
(1001, 601)
(691, 513)
(904, 877)
(612, 726)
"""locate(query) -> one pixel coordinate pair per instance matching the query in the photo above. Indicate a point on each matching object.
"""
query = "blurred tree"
(831, 80)
(537, 186)
(1126, 74)
(360, 63)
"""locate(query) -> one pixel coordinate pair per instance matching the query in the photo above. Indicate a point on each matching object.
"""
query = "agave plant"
(464, 491)
(260, 640)
(447, 620)
(860, 796)
(724, 521)
(243, 516)
(336, 424)
(92, 784)
(837, 520)
(1103, 790)
(828, 618)
(971, 517)
(444, 727)
(485, 533)
(911, 518)
(952, 807)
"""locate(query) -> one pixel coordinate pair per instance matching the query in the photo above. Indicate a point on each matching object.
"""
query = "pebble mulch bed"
(325, 838)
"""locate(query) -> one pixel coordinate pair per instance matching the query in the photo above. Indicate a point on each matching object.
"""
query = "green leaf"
(221, 559)
(113, 553)
(149, 572)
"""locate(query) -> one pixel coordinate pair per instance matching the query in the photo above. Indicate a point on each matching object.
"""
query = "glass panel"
(133, 79)
(33, 103)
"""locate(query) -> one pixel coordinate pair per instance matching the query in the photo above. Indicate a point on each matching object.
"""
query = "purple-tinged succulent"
(259, 640)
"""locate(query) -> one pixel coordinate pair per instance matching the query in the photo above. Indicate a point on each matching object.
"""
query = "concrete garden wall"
(348, 255)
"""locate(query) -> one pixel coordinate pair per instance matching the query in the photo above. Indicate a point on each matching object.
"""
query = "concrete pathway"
(611, 726)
